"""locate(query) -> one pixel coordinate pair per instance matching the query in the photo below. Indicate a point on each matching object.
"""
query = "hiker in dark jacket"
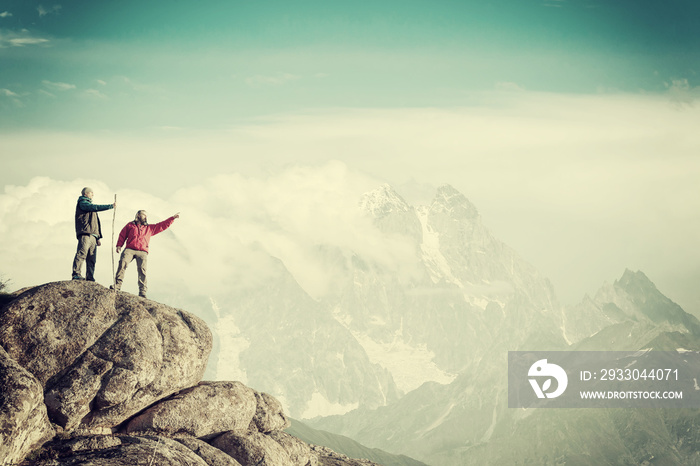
(89, 233)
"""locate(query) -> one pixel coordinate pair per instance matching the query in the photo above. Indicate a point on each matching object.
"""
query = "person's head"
(141, 217)
(87, 192)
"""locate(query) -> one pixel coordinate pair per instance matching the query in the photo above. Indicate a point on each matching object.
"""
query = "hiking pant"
(87, 251)
(141, 260)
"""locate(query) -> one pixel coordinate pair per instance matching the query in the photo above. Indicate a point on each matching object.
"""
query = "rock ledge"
(90, 376)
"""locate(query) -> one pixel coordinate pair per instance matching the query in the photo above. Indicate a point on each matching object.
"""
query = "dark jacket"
(86, 220)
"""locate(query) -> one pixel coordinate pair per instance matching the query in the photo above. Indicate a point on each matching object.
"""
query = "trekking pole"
(114, 216)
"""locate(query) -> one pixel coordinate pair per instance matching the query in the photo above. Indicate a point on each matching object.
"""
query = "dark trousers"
(87, 252)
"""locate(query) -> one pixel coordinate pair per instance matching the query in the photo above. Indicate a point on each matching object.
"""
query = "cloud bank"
(231, 230)
(23, 38)
(583, 186)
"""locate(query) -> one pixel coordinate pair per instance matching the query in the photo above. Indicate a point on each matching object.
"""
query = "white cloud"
(94, 94)
(128, 84)
(20, 39)
(46, 93)
(11, 96)
(43, 11)
(229, 229)
(58, 86)
(271, 80)
(5, 14)
(508, 86)
(582, 186)
(290, 215)
(682, 93)
(41, 250)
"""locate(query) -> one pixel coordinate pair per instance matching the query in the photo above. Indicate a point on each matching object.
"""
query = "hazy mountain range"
(413, 358)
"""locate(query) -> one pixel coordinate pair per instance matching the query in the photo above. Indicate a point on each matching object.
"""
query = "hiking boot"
(77, 277)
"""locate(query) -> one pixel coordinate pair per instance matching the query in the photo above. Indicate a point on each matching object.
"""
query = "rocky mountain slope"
(287, 342)
(90, 376)
(348, 446)
(468, 421)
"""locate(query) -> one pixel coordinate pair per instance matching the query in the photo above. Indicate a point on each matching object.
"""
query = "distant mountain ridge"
(412, 358)
(440, 311)
(632, 301)
(508, 436)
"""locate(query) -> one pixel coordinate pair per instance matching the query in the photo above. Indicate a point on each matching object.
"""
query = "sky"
(570, 124)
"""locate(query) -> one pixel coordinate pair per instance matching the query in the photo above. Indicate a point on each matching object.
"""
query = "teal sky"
(108, 65)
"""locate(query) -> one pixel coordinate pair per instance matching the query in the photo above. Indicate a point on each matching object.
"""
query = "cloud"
(271, 80)
(20, 39)
(581, 185)
(58, 86)
(5, 14)
(41, 206)
(126, 84)
(43, 11)
(508, 86)
(682, 93)
(11, 96)
(46, 93)
(232, 230)
(308, 217)
(94, 94)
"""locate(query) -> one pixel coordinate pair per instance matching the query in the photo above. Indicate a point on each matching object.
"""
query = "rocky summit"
(91, 376)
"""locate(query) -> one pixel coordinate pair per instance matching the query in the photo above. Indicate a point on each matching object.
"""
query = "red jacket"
(137, 236)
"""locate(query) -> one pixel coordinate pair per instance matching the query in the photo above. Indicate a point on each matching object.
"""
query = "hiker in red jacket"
(136, 235)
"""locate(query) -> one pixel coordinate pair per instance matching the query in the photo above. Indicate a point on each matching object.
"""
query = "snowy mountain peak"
(635, 283)
(633, 299)
(383, 201)
(635, 288)
(449, 200)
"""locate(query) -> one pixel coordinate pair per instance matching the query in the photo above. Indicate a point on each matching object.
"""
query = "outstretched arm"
(162, 226)
(86, 206)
